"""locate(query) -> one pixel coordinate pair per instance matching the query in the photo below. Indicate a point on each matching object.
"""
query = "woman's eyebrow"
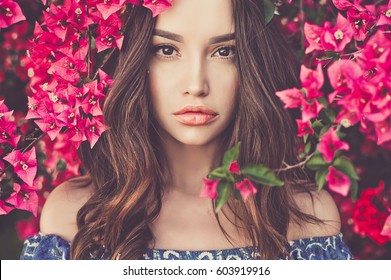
(168, 35)
(179, 38)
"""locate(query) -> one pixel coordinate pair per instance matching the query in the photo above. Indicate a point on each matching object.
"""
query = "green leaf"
(330, 114)
(269, 9)
(307, 148)
(320, 177)
(353, 189)
(324, 130)
(61, 165)
(317, 124)
(262, 174)
(323, 100)
(302, 155)
(223, 191)
(344, 165)
(231, 155)
(316, 162)
(305, 138)
(218, 173)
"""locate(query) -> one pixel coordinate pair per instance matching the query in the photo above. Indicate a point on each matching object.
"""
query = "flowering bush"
(52, 63)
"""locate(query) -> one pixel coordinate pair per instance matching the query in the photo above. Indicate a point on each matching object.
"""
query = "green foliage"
(262, 174)
(320, 177)
(344, 165)
(316, 162)
(231, 155)
(223, 191)
(269, 9)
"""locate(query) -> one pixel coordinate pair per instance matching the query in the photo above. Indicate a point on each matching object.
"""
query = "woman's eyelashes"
(170, 52)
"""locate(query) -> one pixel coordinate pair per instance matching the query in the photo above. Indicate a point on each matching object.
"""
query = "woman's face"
(193, 65)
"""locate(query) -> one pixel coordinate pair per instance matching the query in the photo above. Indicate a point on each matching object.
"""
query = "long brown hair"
(127, 165)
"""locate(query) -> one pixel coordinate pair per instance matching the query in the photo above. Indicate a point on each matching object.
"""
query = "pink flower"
(8, 128)
(312, 81)
(77, 17)
(157, 6)
(246, 188)
(339, 36)
(386, 231)
(25, 164)
(362, 21)
(385, 15)
(10, 13)
(234, 167)
(94, 129)
(330, 143)
(338, 182)
(27, 228)
(109, 34)
(304, 128)
(311, 110)
(107, 8)
(4, 209)
(69, 69)
(292, 98)
(210, 188)
(343, 76)
(313, 34)
(24, 199)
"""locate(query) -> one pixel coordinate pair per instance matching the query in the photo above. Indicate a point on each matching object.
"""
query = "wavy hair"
(126, 166)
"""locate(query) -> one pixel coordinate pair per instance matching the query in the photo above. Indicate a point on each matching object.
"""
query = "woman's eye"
(226, 52)
(164, 50)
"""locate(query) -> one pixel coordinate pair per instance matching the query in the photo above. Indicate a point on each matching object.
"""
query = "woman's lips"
(195, 118)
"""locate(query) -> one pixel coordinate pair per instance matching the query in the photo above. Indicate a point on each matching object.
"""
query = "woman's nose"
(196, 77)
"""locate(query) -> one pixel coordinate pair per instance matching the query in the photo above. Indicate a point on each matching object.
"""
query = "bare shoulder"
(322, 206)
(61, 207)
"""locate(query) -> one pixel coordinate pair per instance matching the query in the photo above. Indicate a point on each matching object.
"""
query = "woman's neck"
(188, 164)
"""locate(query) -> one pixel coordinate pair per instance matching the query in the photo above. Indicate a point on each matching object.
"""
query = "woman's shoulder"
(60, 209)
(321, 205)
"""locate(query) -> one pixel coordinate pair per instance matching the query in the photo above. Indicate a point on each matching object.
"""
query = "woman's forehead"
(197, 17)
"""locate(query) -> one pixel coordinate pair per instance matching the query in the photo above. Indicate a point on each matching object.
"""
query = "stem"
(89, 49)
(34, 141)
(301, 24)
(300, 164)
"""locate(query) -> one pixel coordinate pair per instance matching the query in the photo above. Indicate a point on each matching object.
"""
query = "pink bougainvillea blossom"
(4, 209)
(94, 129)
(109, 34)
(328, 38)
(157, 6)
(234, 167)
(246, 187)
(339, 36)
(368, 219)
(25, 164)
(304, 128)
(107, 8)
(311, 110)
(292, 98)
(27, 228)
(24, 199)
(385, 15)
(210, 188)
(330, 143)
(10, 13)
(312, 81)
(338, 182)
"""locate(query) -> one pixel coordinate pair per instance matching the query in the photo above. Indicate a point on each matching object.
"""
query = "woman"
(190, 84)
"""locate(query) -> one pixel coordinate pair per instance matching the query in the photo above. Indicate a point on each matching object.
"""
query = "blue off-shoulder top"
(53, 247)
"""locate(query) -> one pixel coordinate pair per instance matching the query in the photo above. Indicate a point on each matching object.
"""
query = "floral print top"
(53, 247)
